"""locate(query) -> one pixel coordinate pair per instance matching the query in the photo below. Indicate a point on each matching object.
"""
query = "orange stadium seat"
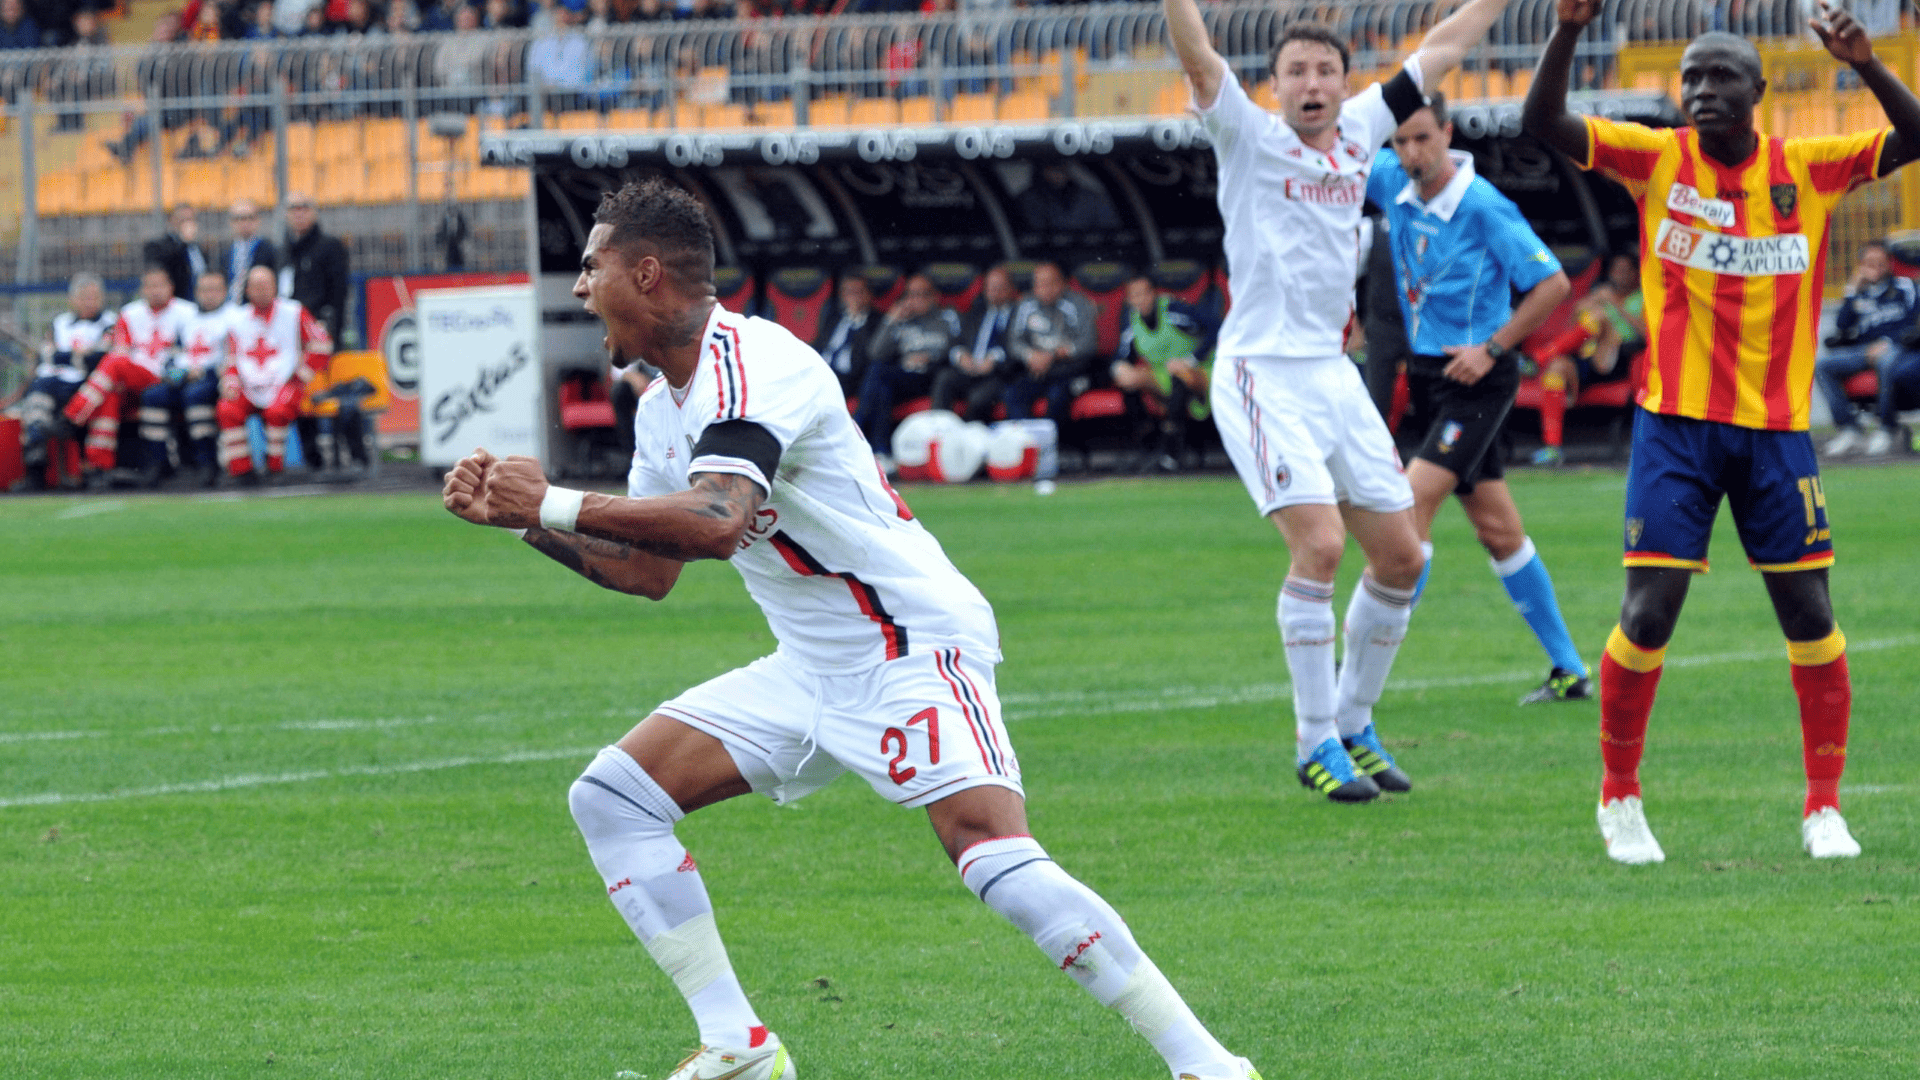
(1171, 99)
(384, 138)
(59, 191)
(874, 112)
(576, 121)
(337, 140)
(774, 114)
(829, 112)
(917, 110)
(1025, 105)
(723, 116)
(974, 109)
(630, 119)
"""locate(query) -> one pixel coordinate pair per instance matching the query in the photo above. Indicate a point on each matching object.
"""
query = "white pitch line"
(89, 509)
(1095, 702)
(229, 783)
(1060, 703)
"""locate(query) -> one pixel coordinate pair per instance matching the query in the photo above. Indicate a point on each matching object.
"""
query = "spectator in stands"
(76, 343)
(260, 24)
(1053, 341)
(248, 249)
(17, 31)
(205, 25)
(912, 342)
(86, 74)
(1872, 328)
(179, 250)
(17, 28)
(844, 336)
(977, 372)
(1166, 357)
(436, 16)
(315, 274)
(457, 59)
(1609, 332)
(561, 58)
(502, 15)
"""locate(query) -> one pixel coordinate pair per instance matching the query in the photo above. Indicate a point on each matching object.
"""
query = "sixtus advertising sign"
(480, 378)
(393, 327)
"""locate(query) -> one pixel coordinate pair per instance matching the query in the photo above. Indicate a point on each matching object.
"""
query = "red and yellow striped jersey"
(1731, 265)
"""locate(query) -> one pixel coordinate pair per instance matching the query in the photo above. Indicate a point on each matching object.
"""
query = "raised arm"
(1545, 114)
(1847, 40)
(1447, 44)
(706, 521)
(1204, 67)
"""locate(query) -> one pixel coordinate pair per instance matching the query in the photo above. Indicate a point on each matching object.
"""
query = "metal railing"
(148, 111)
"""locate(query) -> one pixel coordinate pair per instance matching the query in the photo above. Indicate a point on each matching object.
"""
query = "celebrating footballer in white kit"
(745, 451)
(1292, 410)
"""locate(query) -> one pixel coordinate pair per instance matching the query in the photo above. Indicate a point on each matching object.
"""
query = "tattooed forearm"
(606, 563)
(704, 522)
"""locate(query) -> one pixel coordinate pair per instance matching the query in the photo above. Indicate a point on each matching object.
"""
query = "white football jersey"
(1292, 216)
(149, 336)
(203, 347)
(267, 347)
(845, 575)
(74, 340)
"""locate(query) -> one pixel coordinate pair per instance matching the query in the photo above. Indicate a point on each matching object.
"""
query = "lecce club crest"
(1635, 526)
(1786, 198)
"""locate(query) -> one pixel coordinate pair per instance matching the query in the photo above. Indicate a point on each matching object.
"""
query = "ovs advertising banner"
(480, 378)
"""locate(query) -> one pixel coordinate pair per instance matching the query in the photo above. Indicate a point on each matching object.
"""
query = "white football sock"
(1089, 941)
(628, 824)
(1376, 625)
(1306, 630)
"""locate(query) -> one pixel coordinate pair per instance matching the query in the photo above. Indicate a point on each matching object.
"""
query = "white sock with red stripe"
(1377, 618)
(628, 824)
(1091, 943)
(1306, 630)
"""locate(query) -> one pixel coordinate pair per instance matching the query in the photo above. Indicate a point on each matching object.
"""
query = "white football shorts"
(1305, 432)
(918, 729)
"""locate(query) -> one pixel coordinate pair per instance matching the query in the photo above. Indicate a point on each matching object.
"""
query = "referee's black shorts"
(1463, 422)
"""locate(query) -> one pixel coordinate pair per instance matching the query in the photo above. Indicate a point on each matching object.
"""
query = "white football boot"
(1824, 834)
(768, 1061)
(1845, 443)
(1623, 825)
(1247, 1072)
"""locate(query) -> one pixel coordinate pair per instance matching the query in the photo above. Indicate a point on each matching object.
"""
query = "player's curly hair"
(1314, 32)
(665, 216)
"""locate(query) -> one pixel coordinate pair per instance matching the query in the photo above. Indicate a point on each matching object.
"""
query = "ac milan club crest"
(1786, 198)
(1281, 476)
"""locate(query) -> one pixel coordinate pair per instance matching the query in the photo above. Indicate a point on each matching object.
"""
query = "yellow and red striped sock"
(1629, 676)
(1825, 690)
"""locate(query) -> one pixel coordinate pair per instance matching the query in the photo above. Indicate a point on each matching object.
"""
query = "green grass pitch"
(282, 793)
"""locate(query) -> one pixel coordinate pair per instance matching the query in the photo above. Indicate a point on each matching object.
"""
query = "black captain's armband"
(1402, 96)
(742, 440)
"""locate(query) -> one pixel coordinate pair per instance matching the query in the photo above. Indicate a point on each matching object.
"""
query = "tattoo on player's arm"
(580, 554)
(727, 498)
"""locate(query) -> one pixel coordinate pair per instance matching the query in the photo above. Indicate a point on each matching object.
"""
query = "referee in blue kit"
(1460, 250)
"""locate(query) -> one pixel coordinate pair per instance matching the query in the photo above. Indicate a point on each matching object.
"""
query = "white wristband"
(561, 508)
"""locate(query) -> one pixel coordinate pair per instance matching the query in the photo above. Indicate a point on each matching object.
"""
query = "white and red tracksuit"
(144, 341)
(272, 353)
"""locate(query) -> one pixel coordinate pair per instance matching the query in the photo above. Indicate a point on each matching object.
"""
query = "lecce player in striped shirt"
(1733, 232)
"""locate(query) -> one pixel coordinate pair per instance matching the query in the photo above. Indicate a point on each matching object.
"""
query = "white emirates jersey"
(845, 575)
(203, 346)
(149, 336)
(75, 339)
(268, 346)
(1292, 216)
